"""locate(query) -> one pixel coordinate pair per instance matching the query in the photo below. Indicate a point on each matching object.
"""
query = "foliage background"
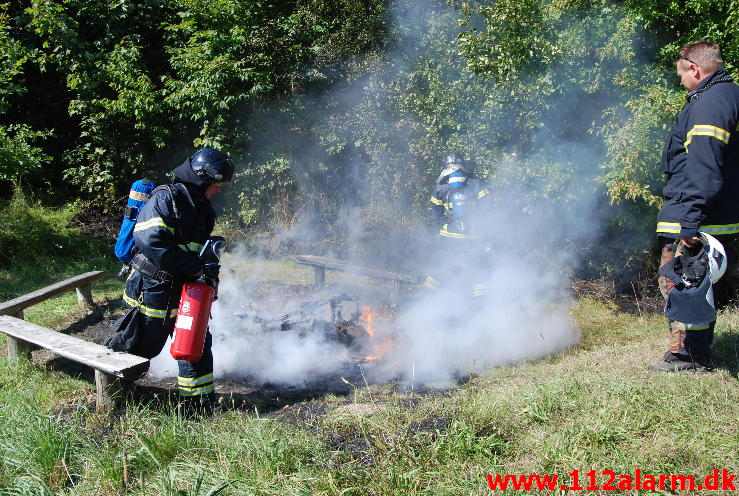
(337, 104)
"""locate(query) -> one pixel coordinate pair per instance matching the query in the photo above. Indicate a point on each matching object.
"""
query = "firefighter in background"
(170, 231)
(460, 198)
(701, 161)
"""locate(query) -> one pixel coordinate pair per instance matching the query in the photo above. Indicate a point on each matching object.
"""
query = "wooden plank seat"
(320, 264)
(110, 366)
(81, 283)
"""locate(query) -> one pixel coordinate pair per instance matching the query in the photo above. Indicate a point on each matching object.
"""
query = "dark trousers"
(195, 380)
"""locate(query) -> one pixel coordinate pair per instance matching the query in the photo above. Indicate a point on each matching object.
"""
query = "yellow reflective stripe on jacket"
(148, 311)
(194, 381)
(436, 201)
(720, 229)
(153, 222)
(138, 196)
(668, 227)
(193, 247)
(482, 193)
(431, 283)
(707, 130)
(696, 327)
(717, 229)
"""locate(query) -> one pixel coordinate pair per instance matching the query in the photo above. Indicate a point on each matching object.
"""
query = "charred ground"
(304, 403)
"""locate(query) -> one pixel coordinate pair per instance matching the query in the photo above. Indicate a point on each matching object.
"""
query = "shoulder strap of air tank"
(172, 192)
(175, 190)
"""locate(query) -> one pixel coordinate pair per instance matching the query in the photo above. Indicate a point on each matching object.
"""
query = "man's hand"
(691, 241)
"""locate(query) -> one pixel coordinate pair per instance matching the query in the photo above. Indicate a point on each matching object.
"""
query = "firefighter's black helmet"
(212, 166)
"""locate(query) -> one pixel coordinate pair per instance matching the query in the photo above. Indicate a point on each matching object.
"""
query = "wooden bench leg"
(109, 391)
(320, 277)
(84, 296)
(17, 348)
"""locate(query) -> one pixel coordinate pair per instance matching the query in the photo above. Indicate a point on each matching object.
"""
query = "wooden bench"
(110, 366)
(320, 264)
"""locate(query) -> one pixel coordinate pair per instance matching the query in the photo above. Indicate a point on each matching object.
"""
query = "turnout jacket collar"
(720, 76)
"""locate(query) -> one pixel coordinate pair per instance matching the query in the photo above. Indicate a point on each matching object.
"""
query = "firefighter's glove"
(123, 274)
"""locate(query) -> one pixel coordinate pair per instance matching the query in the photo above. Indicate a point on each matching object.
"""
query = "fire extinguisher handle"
(211, 280)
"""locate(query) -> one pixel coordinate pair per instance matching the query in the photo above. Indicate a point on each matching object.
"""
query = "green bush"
(31, 234)
(38, 246)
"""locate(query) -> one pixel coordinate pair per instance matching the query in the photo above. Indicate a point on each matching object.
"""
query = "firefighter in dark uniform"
(171, 230)
(459, 199)
(701, 162)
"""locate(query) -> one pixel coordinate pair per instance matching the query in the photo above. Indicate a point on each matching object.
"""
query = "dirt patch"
(429, 424)
(353, 444)
(242, 393)
(306, 414)
(97, 224)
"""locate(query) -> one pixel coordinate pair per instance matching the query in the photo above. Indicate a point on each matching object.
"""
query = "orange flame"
(379, 348)
(367, 316)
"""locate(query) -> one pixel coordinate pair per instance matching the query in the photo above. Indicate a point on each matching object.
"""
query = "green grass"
(291, 272)
(597, 406)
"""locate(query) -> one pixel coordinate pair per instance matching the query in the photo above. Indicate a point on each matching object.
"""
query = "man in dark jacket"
(170, 231)
(458, 204)
(701, 161)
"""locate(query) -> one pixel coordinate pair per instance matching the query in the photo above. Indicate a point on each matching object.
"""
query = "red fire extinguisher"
(192, 321)
(196, 299)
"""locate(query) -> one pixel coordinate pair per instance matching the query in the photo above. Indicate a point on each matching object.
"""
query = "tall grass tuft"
(29, 232)
(40, 447)
(172, 481)
(26, 487)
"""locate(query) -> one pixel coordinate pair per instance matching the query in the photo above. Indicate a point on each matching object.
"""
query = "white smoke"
(525, 312)
(245, 349)
(439, 335)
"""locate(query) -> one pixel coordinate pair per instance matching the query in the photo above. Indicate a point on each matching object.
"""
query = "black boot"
(201, 406)
(673, 362)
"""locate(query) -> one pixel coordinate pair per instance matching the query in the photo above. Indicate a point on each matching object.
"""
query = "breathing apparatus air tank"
(196, 300)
